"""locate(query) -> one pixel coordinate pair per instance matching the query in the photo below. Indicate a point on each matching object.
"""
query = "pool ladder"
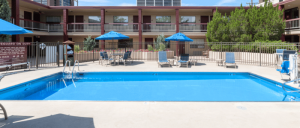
(70, 73)
(290, 82)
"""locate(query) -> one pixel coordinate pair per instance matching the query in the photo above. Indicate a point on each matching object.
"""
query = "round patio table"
(117, 55)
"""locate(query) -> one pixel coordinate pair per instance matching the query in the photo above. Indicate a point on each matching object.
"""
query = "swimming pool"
(151, 86)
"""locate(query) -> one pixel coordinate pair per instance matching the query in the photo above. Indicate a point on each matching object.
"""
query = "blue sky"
(184, 2)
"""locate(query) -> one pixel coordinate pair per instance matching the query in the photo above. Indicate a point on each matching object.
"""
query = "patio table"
(117, 55)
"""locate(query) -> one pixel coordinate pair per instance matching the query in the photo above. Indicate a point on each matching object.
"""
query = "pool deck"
(89, 114)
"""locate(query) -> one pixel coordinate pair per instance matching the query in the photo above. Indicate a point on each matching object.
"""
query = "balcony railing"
(193, 27)
(40, 26)
(159, 27)
(121, 27)
(292, 24)
(84, 27)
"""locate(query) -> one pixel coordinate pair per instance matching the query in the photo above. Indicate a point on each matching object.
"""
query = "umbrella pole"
(125, 47)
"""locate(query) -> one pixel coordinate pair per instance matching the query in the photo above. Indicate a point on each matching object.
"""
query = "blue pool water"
(151, 86)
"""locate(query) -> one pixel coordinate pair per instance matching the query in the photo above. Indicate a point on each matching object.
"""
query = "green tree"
(160, 43)
(266, 23)
(5, 14)
(217, 29)
(263, 23)
(89, 43)
(238, 26)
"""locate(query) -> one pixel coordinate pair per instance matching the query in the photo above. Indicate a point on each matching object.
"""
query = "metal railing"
(290, 82)
(193, 27)
(66, 65)
(50, 54)
(121, 27)
(292, 24)
(40, 26)
(159, 27)
(84, 27)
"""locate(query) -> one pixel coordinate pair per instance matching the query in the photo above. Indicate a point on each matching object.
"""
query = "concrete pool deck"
(89, 114)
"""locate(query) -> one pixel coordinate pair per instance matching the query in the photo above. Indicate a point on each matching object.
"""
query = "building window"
(167, 2)
(159, 3)
(291, 13)
(188, 19)
(53, 19)
(44, 2)
(65, 2)
(176, 2)
(149, 2)
(120, 19)
(140, 2)
(94, 19)
(163, 19)
(197, 43)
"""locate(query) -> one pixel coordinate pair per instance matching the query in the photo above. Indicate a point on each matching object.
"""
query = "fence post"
(57, 54)
(37, 55)
(259, 53)
(93, 54)
(221, 50)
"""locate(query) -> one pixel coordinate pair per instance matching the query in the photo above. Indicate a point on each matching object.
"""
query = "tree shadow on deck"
(53, 121)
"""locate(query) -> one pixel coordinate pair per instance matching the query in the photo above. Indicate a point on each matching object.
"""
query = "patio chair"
(162, 58)
(284, 68)
(107, 58)
(229, 59)
(101, 57)
(124, 58)
(184, 59)
(129, 56)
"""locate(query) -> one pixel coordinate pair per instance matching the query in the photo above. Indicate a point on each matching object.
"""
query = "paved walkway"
(89, 114)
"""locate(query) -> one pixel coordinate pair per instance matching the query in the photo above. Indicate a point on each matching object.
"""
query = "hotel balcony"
(121, 27)
(42, 28)
(193, 27)
(159, 27)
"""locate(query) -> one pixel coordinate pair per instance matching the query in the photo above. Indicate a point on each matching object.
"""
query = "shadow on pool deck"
(53, 121)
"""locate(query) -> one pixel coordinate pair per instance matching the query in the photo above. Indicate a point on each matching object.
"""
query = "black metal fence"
(50, 54)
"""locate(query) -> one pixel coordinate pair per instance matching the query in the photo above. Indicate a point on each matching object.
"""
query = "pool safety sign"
(42, 46)
(12, 52)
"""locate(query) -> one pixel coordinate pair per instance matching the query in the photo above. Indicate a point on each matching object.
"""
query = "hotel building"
(51, 21)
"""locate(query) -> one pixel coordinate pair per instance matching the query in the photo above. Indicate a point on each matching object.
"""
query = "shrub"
(76, 48)
(150, 48)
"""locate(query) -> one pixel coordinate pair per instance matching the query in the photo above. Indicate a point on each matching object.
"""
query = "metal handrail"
(290, 82)
(4, 111)
(74, 66)
(66, 65)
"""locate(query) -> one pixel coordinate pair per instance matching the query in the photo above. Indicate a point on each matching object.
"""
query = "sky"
(184, 2)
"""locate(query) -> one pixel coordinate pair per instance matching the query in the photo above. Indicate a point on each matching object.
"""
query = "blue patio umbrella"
(178, 37)
(112, 35)
(8, 28)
